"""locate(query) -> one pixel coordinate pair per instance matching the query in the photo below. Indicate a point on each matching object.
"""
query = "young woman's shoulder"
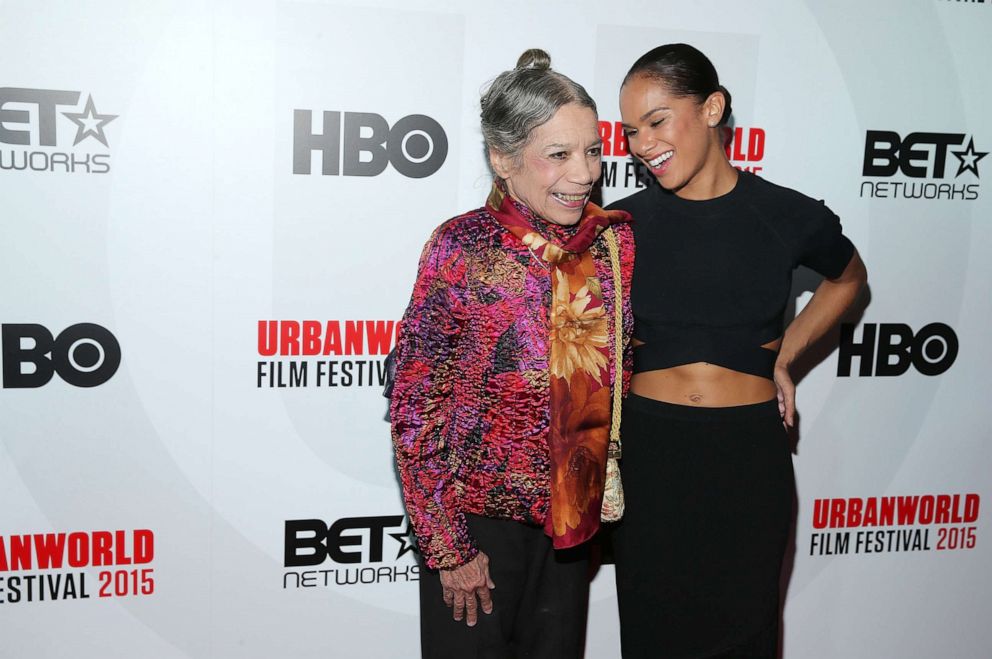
(779, 197)
(634, 204)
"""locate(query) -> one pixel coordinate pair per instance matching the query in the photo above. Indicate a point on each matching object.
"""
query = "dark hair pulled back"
(684, 70)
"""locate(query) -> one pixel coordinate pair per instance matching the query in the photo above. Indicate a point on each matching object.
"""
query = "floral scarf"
(579, 368)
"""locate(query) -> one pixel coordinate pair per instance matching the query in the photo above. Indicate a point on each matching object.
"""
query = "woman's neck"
(716, 178)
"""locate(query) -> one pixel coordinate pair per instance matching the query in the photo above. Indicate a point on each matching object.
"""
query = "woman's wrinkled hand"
(465, 587)
(786, 393)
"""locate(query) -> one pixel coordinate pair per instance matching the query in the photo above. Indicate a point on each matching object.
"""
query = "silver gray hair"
(520, 100)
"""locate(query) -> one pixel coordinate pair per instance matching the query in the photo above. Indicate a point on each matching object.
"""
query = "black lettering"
(881, 153)
(307, 550)
(935, 347)
(15, 355)
(863, 350)
(609, 173)
(894, 340)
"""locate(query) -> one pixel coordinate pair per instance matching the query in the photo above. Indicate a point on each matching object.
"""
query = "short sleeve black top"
(712, 278)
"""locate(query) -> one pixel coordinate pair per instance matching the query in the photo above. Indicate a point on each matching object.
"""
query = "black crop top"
(712, 278)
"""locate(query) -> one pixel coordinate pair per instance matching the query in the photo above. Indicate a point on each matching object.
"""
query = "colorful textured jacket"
(470, 403)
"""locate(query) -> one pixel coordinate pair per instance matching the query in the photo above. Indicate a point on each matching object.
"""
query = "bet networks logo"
(922, 159)
(32, 121)
(358, 548)
(744, 146)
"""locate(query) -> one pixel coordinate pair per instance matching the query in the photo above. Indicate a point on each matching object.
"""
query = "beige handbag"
(613, 504)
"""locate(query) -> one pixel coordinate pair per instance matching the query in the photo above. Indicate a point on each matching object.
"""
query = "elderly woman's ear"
(501, 163)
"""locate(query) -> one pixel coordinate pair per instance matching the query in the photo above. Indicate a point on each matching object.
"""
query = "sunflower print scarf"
(580, 413)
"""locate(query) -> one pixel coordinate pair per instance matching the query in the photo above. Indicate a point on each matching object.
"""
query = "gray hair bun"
(534, 58)
(523, 98)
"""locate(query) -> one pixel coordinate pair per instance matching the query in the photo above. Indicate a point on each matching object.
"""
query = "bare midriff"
(703, 384)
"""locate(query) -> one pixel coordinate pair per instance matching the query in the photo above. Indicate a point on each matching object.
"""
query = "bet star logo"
(969, 159)
(30, 116)
(402, 538)
(89, 123)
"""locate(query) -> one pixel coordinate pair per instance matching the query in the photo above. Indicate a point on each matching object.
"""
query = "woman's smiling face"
(669, 134)
(554, 173)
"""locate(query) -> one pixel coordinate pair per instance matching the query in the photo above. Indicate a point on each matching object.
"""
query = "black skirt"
(709, 494)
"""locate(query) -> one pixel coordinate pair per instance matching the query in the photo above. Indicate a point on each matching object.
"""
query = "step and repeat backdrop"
(210, 217)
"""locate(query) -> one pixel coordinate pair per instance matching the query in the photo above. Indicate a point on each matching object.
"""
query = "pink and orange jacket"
(470, 404)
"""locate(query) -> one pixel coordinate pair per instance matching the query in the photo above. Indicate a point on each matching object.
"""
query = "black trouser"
(539, 604)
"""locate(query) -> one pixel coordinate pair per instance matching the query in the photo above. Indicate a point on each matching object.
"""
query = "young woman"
(706, 466)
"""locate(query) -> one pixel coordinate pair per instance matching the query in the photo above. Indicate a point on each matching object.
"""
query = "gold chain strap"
(611, 245)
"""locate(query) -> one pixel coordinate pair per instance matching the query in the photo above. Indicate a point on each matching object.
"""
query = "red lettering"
(20, 552)
(971, 503)
(926, 509)
(311, 337)
(614, 139)
(837, 513)
(290, 338)
(738, 144)
(907, 509)
(871, 512)
(120, 549)
(820, 510)
(605, 132)
(49, 548)
(79, 549)
(956, 510)
(380, 334)
(267, 337)
(888, 513)
(854, 512)
(619, 140)
(144, 546)
(332, 338)
(354, 341)
(734, 146)
(755, 144)
(943, 512)
(102, 542)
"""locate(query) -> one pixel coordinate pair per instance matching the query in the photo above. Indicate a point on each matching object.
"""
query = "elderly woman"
(509, 365)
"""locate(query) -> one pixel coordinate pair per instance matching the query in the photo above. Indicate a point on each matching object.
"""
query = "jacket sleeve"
(420, 405)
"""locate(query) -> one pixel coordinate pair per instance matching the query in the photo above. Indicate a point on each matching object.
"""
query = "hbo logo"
(84, 355)
(362, 144)
(931, 351)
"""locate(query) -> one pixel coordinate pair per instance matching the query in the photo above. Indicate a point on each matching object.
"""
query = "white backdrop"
(156, 209)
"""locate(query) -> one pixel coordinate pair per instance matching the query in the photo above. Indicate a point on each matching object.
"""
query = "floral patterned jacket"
(470, 403)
